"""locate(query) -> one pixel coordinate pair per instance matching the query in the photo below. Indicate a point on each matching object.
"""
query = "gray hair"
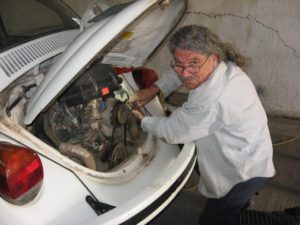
(201, 39)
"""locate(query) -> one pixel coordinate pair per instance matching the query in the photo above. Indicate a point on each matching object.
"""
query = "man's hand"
(142, 97)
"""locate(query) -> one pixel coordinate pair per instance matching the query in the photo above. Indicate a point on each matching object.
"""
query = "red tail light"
(21, 173)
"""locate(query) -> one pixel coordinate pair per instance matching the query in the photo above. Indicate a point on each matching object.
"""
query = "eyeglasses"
(194, 67)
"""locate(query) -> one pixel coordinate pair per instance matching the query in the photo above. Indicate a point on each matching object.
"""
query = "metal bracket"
(98, 207)
(163, 3)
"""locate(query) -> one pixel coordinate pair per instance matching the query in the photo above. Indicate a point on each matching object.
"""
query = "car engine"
(91, 122)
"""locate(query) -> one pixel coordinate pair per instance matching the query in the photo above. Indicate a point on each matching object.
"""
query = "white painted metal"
(60, 201)
(153, 191)
(130, 188)
(147, 35)
(89, 46)
(68, 206)
(16, 61)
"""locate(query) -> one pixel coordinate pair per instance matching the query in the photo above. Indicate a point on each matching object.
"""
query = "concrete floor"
(282, 191)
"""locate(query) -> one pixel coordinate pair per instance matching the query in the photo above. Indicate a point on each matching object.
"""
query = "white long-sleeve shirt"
(226, 119)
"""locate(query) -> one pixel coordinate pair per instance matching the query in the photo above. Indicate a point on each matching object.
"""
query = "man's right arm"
(143, 96)
(168, 83)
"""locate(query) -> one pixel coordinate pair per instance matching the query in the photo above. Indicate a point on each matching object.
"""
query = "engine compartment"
(91, 122)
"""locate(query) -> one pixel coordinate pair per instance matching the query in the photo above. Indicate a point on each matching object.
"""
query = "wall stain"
(249, 18)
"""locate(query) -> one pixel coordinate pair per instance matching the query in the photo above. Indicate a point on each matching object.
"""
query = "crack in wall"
(249, 18)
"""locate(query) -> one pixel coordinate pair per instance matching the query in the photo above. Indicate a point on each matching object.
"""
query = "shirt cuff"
(145, 123)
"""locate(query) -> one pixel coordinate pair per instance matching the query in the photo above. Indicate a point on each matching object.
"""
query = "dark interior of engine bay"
(91, 122)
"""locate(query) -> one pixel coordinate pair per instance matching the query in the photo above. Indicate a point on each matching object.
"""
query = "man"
(223, 116)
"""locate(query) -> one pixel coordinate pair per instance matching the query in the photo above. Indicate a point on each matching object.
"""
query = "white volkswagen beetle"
(70, 150)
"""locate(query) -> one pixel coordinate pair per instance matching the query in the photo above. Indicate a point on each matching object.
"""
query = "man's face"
(193, 68)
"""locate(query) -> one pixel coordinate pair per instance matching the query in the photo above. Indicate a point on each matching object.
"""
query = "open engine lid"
(122, 36)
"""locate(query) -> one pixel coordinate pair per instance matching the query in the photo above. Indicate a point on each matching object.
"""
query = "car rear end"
(37, 190)
(42, 184)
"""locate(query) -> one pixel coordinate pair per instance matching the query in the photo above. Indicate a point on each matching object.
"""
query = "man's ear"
(215, 58)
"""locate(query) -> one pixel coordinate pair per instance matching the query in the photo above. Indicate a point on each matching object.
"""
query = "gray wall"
(78, 5)
(268, 31)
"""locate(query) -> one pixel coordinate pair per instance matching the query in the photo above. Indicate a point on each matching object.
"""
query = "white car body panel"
(152, 34)
(152, 192)
(32, 53)
(69, 196)
(86, 48)
(142, 186)
(70, 193)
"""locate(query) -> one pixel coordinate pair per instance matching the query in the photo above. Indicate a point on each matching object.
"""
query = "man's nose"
(184, 73)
